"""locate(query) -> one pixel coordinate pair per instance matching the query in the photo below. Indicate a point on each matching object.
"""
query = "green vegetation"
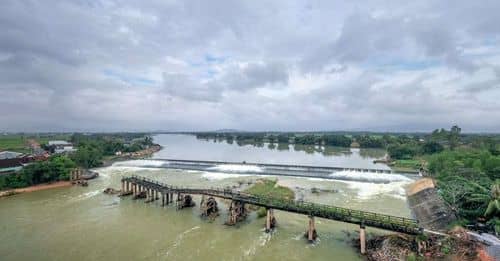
(55, 169)
(270, 189)
(406, 165)
(93, 148)
(19, 142)
(469, 181)
(90, 152)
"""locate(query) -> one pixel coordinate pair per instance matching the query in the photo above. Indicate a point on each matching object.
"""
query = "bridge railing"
(322, 210)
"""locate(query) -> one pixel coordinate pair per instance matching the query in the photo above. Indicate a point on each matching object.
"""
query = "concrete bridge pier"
(148, 196)
(237, 212)
(311, 233)
(184, 201)
(362, 239)
(209, 207)
(270, 220)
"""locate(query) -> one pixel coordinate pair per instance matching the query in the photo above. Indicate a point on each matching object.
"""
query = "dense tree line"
(56, 168)
(92, 148)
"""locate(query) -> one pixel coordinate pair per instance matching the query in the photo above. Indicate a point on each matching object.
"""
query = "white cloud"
(198, 65)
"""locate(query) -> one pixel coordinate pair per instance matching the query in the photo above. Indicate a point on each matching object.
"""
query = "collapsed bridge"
(151, 190)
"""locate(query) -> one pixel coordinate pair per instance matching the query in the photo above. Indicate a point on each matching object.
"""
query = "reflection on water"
(181, 147)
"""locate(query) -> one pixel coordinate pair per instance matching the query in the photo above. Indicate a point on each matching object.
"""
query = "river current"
(82, 223)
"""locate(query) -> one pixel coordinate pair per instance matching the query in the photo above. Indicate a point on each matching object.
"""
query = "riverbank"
(45, 186)
(454, 245)
(108, 161)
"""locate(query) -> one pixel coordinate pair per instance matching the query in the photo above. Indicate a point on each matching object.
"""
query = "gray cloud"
(174, 65)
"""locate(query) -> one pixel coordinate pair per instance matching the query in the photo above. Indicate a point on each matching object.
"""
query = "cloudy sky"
(251, 65)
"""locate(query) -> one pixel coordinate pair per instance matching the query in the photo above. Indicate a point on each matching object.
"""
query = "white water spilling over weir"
(332, 173)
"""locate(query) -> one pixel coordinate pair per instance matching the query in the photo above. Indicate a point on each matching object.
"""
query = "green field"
(406, 165)
(18, 142)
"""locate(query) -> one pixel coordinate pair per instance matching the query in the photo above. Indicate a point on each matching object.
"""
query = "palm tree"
(493, 209)
(490, 198)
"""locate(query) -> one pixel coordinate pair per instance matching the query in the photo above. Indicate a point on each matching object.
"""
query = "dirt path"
(45, 186)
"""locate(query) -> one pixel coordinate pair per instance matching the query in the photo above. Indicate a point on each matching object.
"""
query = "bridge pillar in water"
(270, 220)
(362, 239)
(209, 207)
(237, 212)
(311, 233)
(184, 201)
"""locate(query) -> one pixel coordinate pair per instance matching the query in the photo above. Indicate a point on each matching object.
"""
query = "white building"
(61, 146)
(9, 154)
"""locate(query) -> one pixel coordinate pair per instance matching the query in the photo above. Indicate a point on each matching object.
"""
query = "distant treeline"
(399, 146)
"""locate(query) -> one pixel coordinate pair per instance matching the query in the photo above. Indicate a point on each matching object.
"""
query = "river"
(82, 223)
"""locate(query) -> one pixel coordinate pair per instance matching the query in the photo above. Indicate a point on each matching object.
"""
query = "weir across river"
(151, 190)
(249, 168)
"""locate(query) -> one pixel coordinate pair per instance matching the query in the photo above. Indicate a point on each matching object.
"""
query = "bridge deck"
(387, 222)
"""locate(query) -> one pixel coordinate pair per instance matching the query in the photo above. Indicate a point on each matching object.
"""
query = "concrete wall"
(427, 206)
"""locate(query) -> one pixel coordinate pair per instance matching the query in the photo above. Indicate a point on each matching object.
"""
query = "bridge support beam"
(362, 239)
(311, 233)
(270, 220)
(237, 212)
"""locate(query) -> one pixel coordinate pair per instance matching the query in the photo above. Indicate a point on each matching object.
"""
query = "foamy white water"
(369, 177)
(219, 176)
(237, 168)
(141, 163)
(370, 190)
